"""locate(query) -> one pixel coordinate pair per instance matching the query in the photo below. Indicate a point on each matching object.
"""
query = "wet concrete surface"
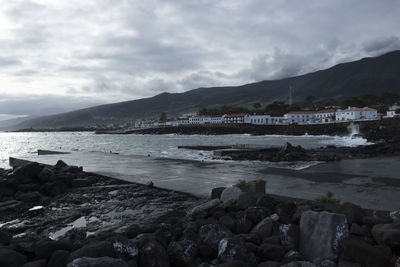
(371, 183)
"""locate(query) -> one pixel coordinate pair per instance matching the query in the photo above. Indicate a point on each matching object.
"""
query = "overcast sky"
(66, 54)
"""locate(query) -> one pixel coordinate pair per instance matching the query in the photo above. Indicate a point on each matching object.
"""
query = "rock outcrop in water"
(123, 224)
(297, 153)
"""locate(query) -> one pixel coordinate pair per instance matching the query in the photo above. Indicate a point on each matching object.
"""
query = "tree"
(256, 105)
(163, 116)
(310, 100)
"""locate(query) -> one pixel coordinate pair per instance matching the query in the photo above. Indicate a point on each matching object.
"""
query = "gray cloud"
(382, 45)
(114, 50)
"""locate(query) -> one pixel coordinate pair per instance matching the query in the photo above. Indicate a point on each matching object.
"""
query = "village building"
(308, 117)
(182, 121)
(235, 118)
(392, 112)
(258, 119)
(300, 117)
(324, 116)
(354, 113)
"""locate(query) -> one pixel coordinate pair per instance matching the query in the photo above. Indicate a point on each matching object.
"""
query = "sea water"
(163, 146)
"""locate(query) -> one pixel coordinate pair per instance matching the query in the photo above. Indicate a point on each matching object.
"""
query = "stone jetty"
(62, 216)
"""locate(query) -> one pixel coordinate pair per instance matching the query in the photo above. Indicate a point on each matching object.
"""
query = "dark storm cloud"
(382, 45)
(113, 50)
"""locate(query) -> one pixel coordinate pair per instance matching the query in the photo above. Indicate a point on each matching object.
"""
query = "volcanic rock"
(97, 262)
(234, 249)
(320, 233)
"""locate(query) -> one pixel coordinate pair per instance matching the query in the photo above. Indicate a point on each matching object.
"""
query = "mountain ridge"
(371, 75)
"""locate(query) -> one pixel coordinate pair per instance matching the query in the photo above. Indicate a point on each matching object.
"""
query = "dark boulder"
(211, 234)
(11, 258)
(124, 248)
(7, 188)
(75, 234)
(216, 192)
(58, 259)
(285, 212)
(245, 200)
(270, 252)
(60, 164)
(290, 236)
(243, 225)
(269, 264)
(228, 222)
(97, 262)
(94, 250)
(388, 234)
(5, 237)
(234, 249)
(54, 188)
(299, 264)
(45, 249)
(30, 197)
(367, 255)
(81, 182)
(256, 214)
(252, 238)
(183, 252)
(267, 202)
(28, 173)
(293, 255)
(320, 233)
(153, 254)
(233, 264)
(36, 263)
(264, 228)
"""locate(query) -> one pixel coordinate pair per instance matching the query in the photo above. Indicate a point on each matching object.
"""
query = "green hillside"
(365, 76)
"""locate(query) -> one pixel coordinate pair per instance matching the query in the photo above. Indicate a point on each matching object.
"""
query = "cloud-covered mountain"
(368, 75)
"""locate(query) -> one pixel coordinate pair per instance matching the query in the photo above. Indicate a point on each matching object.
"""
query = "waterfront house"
(355, 113)
(308, 117)
(235, 118)
(300, 117)
(258, 119)
(324, 116)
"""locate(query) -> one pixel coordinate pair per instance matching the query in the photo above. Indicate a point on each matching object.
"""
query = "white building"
(235, 118)
(308, 117)
(182, 121)
(326, 115)
(258, 119)
(391, 113)
(300, 117)
(206, 120)
(354, 113)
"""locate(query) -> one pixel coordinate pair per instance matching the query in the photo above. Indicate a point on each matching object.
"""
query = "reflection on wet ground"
(371, 183)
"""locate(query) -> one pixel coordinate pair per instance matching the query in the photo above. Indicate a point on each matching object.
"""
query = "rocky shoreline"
(289, 153)
(62, 216)
(386, 129)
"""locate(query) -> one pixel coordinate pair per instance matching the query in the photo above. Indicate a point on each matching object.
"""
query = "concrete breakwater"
(61, 216)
